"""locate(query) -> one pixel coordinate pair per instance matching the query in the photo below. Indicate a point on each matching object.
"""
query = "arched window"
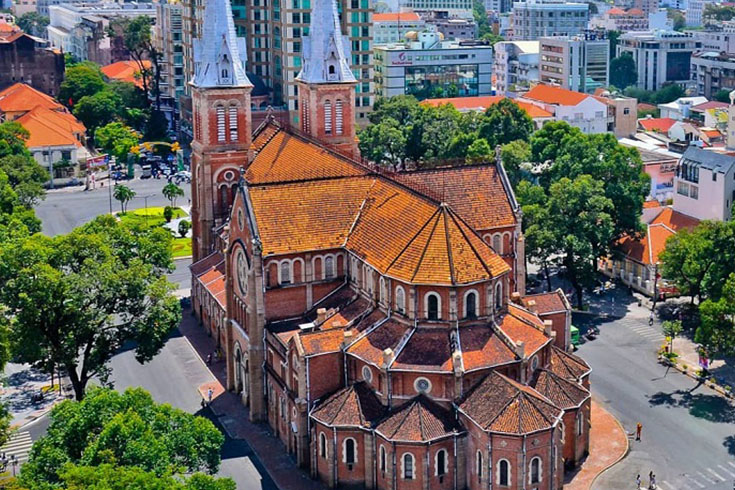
(562, 432)
(225, 74)
(408, 466)
(233, 123)
(400, 300)
(498, 296)
(327, 117)
(382, 459)
(383, 291)
(470, 305)
(504, 473)
(580, 423)
(479, 466)
(329, 267)
(285, 272)
(349, 452)
(497, 244)
(224, 198)
(331, 69)
(322, 445)
(534, 475)
(338, 119)
(220, 124)
(440, 463)
(433, 306)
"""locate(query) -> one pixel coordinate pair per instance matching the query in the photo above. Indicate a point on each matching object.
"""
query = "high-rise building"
(515, 66)
(448, 8)
(533, 19)
(168, 38)
(579, 63)
(274, 31)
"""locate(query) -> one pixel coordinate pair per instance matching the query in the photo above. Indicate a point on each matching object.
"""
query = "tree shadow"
(713, 408)
(729, 443)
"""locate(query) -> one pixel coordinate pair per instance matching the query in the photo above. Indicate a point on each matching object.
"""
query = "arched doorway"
(242, 376)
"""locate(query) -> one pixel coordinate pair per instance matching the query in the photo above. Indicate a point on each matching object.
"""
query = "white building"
(660, 56)
(431, 68)
(516, 66)
(533, 19)
(580, 110)
(579, 63)
(705, 185)
(680, 108)
(694, 11)
(393, 27)
(717, 41)
(452, 8)
(713, 71)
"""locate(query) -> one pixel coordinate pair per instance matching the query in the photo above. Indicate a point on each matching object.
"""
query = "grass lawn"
(153, 217)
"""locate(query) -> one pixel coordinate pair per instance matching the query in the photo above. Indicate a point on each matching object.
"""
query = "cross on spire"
(219, 54)
(326, 51)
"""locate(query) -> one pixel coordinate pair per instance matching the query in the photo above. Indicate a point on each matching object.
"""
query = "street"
(688, 437)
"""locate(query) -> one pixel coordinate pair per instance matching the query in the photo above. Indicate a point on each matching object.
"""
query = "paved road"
(688, 430)
(65, 209)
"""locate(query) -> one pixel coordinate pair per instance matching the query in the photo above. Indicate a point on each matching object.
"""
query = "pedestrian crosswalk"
(720, 476)
(641, 327)
(19, 445)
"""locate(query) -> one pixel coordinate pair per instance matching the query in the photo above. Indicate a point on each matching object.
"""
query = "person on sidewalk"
(638, 482)
(652, 481)
(210, 393)
(638, 429)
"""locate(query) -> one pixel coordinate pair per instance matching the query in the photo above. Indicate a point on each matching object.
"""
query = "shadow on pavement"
(729, 443)
(708, 407)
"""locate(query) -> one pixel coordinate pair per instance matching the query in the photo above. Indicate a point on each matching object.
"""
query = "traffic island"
(608, 445)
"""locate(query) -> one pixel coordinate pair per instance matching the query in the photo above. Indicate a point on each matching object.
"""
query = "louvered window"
(304, 117)
(220, 124)
(233, 123)
(328, 117)
(338, 116)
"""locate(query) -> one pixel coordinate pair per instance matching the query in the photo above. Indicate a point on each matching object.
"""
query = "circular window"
(240, 219)
(422, 385)
(534, 363)
(242, 273)
(367, 374)
(229, 175)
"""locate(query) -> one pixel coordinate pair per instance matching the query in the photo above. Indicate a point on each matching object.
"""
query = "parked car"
(182, 176)
(146, 172)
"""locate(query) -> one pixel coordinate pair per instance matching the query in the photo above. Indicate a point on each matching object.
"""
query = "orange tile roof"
(651, 204)
(499, 404)
(22, 98)
(321, 341)
(210, 273)
(51, 128)
(426, 350)
(481, 103)
(567, 365)
(562, 392)
(660, 125)
(616, 11)
(646, 250)
(675, 220)
(475, 192)
(635, 11)
(552, 302)
(396, 17)
(354, 406)
(522, 326)
(555, 95)
(371, 346)
(420, 420)
(711, 133)
(483, 347)
(126, 71)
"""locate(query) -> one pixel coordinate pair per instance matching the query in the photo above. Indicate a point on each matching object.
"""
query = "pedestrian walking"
(638, 429)
(209, 359)
(638, 482)
(210, 393)
(652, 481)
(650, 320)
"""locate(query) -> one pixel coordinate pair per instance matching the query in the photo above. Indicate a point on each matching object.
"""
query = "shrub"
(184, 227)
(168, 213)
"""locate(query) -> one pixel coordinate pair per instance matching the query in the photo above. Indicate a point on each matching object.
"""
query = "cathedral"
(374, 320)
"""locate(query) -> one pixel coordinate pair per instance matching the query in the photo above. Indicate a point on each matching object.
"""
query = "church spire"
(219, 55)
(326, 51)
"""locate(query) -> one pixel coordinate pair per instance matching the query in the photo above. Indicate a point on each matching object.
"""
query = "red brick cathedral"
(371, 319)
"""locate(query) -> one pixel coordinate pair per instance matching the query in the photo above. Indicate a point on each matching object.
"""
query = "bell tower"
(326, 84)
(222, 123)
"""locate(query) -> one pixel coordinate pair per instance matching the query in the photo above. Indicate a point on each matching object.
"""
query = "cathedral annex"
(372, 319)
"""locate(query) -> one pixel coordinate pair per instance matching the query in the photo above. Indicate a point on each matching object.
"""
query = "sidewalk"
(234, 417)
(608, 445)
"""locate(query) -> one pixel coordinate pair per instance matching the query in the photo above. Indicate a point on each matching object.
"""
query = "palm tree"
(171, 191)
(124, 194)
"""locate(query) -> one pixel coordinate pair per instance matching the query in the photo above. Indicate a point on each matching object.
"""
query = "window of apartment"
(694, 192)
(682, 189)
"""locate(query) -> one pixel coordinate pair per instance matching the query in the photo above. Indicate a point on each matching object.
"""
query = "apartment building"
(392, 27)
(661, 57)
(579, 63)
(533, 19)
(713, 71)
(705, 184)
(453, 27)
(580, 110)
(720, 41)
(447, 8)
(515, 66)
(169, 40)
(431, 68)
(274, 31)
(694, 11)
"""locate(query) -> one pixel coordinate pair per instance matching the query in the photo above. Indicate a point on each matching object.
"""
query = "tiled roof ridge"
(452, 276)
(504, 407)
(505, 338)
(368, 330)
(565, 358)
(268, 121)
(520, 318)
(531, 396)
(402, 344)
(47, 123)
(358, 215)
(457, 220)
(434, 217)
(562, 383)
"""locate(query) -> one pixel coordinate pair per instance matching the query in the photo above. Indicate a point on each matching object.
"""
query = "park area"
(154, 217)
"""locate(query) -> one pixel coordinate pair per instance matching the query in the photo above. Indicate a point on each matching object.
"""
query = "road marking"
(706, 478)
(731, 464)
(713, 472)
(665, 483)
(19, 445)
(694, 481)
(726, 470)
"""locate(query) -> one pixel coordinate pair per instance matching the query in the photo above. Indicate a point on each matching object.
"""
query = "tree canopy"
(117, 139)
(79, 80)
(33, 23)
(126, 438)
(98, 109)
(73, 300)
(25, 176)
(717, 329)
(623, 71)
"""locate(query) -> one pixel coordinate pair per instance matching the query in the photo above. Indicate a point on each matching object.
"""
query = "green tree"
(17, 219)
(677, 17)
(111, 477)
(642, 95)
(117, 139)
(722, 95)
(126, 430)
(479, 149)
(184, 227)
(718, 13)
(580, 219)
(26, 177)
(124, 194)
(80, 80)
(540, 238)
(13, 138)
(438, 127)
(171, 192)
(504, 122)
(513, 155)
(548, 142)
(33, 23)
(74, 300)
(492, 38)
(384, 143)
(138, 38)
(717, 329)
(668, 93)
(672, 329)
(614, 38)
(623, 71)
(98, 110)
(480, 15)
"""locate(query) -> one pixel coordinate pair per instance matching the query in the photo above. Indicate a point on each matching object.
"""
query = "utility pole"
(110, 163)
